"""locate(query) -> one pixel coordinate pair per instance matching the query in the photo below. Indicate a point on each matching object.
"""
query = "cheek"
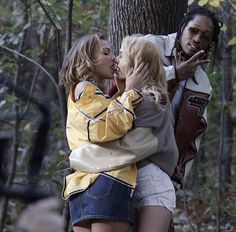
(122, 68)
(205, 45)
(184, 37)
(103, 61)
(184, 41)
(123, 65)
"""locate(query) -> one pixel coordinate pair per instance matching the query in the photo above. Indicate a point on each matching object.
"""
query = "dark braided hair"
(205, 12)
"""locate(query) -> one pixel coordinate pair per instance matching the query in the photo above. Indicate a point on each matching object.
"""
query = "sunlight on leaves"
(232, 41)
(202, 2)
(233, 5)
(223, 28)
(214, 3)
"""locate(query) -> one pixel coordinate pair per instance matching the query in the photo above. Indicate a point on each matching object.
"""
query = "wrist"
(176, 74)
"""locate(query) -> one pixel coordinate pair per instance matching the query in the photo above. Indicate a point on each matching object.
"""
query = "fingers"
(142, 71)
(202, 62)
(116, 78)
(141, 67)
(130, 71)
(196, 56)
(137, 78)
(145, 73)
(196, 60)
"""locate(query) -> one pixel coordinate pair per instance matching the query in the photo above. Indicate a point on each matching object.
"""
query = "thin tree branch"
(45, 72)
(69, 25)
(57, 30)
(60, 89)
(32, 61)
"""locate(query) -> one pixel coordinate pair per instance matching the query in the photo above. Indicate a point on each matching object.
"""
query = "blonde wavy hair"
(140, 49)
(78, 63)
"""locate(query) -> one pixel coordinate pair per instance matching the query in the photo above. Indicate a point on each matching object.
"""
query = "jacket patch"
(199, 103)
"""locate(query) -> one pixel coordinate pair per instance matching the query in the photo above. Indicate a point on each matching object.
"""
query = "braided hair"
(205, 12)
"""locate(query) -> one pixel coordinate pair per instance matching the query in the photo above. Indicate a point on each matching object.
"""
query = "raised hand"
(187, 68)
(137, 78)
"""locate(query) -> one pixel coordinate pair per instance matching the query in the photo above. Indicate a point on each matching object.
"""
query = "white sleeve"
(169, 72)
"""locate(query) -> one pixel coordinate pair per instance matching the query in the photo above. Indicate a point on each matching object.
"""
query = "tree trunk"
(227, 88)
(143, 16)
(226, 137)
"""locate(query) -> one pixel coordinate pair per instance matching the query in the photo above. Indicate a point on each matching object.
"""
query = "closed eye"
(106, 51)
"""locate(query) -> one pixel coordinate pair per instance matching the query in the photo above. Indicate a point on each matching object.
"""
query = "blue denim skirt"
(105, 199)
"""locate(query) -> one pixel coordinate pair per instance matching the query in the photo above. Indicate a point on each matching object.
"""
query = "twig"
(45, 71)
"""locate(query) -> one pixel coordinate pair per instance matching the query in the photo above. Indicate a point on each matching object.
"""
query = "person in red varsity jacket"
(183, 54)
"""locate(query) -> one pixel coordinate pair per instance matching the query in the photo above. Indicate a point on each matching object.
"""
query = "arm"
(136, 145)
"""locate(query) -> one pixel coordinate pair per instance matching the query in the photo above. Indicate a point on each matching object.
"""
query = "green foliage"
(28, 20)
(34, 30)
(213, 3)
(90, 16)
(232, 41)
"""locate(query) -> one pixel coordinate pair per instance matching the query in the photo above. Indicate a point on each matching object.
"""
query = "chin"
(189, 53)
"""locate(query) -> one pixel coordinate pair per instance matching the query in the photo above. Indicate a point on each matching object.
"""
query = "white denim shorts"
(154, 188)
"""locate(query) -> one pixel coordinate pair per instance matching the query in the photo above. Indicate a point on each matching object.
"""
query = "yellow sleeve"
(96, 118)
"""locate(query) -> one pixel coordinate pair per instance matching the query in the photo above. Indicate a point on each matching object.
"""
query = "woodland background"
(34, 37)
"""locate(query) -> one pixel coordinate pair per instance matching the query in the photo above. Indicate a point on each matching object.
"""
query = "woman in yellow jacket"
(102, 201)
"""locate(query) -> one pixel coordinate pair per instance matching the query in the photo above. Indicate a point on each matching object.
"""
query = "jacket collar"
(170, 43)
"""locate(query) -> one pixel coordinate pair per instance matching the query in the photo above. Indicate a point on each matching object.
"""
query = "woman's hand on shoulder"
(137, 78)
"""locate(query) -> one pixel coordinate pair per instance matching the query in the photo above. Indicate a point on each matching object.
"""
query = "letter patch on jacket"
(199, 103)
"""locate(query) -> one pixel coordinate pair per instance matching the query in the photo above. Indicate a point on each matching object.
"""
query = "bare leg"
(110, 226)
(154, 219)
(83, 227)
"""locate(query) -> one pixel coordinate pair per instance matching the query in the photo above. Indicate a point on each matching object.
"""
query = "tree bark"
(146, 17)
(143, 16)
(227, 88)
(226, 136)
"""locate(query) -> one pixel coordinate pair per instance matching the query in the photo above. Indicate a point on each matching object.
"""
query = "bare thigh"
(110, 226)
(154, 219)
(83, 227)
(103, 226)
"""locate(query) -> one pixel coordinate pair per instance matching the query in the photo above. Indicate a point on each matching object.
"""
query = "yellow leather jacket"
(95, 118)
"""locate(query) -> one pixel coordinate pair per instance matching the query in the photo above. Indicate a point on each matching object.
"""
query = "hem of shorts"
(170, 210)
(102, 217)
